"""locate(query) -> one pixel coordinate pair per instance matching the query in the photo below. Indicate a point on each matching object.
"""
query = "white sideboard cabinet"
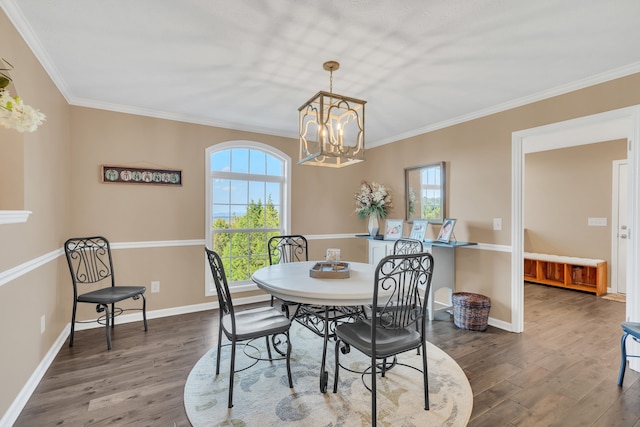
(443, 281)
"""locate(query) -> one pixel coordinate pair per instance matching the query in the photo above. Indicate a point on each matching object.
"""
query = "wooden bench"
(583, 274)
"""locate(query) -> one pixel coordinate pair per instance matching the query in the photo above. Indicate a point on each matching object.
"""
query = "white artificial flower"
(14, 114)
(373, 199)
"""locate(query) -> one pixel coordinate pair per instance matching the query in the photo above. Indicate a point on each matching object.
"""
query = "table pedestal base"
(322, 320)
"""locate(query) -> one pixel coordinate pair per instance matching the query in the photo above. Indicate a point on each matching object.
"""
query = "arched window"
(248, 194)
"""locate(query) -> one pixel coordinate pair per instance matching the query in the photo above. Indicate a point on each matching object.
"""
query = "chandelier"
(331, 128)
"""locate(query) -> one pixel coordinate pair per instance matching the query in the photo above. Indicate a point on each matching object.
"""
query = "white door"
(619, 228)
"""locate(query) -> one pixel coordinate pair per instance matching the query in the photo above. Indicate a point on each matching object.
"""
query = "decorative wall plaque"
(130, 175)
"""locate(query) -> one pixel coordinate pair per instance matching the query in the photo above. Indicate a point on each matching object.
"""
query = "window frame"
(285, 202)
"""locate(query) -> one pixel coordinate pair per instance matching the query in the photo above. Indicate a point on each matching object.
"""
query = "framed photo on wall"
(446, 230)
(393, 229)
(418, 229)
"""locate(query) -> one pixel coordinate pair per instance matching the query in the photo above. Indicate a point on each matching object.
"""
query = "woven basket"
(471, 311)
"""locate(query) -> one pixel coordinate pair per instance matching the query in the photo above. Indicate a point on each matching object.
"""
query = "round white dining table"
(293, 282)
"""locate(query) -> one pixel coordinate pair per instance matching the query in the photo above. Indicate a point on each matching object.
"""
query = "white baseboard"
(21, 400)
(500, 324)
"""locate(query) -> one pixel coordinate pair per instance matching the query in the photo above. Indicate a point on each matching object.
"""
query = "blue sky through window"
(243, 160)
(231, 197)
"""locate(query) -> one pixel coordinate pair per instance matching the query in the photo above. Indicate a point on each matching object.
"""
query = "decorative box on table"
(330, 270)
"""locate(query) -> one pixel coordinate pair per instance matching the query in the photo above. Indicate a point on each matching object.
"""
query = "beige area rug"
(615, 297)
(262, 396)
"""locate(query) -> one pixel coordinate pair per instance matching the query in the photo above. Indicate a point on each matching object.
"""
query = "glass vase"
(373, 225)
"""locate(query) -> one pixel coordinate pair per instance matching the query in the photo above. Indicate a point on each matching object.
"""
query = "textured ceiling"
(249, 64)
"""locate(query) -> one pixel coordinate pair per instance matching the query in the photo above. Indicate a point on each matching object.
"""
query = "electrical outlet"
(497, 223)
(43, 324)
(155, 286)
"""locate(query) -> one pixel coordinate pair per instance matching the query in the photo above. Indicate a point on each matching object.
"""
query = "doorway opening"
(612, 125)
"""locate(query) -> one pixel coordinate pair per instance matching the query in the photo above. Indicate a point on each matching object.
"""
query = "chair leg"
(219, 348)
(113, 315)
(425, 374)
(106, 316)
(232, 372)
(623, 362)
(289, 360)
(268, 348)
(337, 367)
(144, 311)
(73, 323)
(373, 391)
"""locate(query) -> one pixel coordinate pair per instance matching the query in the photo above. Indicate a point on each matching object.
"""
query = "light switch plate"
(497, 223)
(597, 222)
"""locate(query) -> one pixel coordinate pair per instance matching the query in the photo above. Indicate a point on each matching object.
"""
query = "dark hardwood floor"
(561, 371)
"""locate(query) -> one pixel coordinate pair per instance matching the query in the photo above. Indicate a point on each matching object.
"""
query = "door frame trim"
(615, 191)
(616, 124)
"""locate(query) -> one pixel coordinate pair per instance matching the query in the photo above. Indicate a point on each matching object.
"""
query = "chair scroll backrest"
(89, 260)
(397, 279)
(283, 249)
(405, 245)
(220, 280)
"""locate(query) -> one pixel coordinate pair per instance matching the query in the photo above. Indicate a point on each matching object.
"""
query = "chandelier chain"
(331, 81)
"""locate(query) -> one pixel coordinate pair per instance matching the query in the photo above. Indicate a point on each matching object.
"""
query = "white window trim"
(247, 285)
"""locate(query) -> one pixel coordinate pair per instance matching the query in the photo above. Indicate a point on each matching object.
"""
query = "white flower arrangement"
(373, 199)
(14, 114)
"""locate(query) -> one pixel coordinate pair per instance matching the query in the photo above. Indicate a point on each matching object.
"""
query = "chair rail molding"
(24, 268)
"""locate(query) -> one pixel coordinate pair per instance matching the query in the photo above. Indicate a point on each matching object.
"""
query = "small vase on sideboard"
(373, 225)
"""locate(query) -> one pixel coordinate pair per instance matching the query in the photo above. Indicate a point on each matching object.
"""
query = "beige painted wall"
(62, 187)
(12, 170)
(565, 187)
(41, 186)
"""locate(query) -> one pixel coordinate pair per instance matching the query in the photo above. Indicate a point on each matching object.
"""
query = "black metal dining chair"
(244, 325)
(405, 245)
(283, 249)
(90, 263)
(633, 329)
(391, 329)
